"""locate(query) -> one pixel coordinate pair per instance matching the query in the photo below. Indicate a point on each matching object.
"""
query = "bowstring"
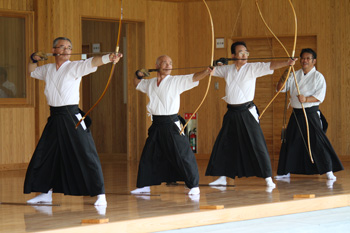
(239, 13)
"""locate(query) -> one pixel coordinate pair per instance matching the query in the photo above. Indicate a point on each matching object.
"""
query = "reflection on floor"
(322, 221)
(130, 210)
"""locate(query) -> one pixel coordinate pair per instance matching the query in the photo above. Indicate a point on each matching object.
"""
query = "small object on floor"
(218, 185)
(31, 204)
(304, 196)
(135, 194)
(95, 221)
(211, 207)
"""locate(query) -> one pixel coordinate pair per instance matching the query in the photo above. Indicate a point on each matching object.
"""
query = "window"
(16, 30)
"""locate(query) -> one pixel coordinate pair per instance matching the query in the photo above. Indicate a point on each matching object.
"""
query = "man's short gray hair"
(55, 41)
(158, 59)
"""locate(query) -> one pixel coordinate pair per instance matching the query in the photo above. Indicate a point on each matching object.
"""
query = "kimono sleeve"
(83, 67)
(262, 69)
(39, 72)
(184, 82)
(321, 87)
(220, 71)
(143, 85)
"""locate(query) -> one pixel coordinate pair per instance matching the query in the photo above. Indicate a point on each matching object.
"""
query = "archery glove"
(220, 62)
(144, 72)
(42, 55)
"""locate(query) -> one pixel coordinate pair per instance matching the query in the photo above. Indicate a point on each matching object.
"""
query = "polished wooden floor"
(168, 207)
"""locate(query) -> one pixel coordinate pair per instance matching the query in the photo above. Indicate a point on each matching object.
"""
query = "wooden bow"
(112, 69)
(289, 70)
(211, 62)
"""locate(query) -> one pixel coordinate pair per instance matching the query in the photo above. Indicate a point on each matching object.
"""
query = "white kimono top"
(240, 85)
(165, 99)
(62, 85)
(311, 84)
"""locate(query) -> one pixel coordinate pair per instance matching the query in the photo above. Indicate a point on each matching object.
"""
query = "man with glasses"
(240, 148)
(65, 159)
(294, 154)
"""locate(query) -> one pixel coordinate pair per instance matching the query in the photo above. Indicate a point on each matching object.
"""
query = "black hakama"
(65, 158)
(294, 154)
(167, 155)
(240, 148)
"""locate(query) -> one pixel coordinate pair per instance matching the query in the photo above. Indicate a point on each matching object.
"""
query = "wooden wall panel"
(162, 30)
(17, 139)
(20, 5)
(340, 81)
(136, 113)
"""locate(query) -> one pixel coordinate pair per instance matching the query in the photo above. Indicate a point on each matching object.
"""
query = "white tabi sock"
(194, 191)
(101, 200)
(220, 181)
(145, 189)
(41, 198)
(280, 177)
(331, 176)
(269, 182)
